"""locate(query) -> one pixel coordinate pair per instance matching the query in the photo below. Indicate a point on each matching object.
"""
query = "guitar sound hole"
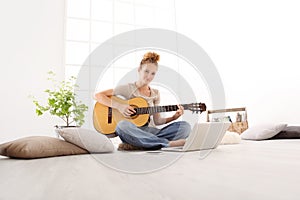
(134, 114)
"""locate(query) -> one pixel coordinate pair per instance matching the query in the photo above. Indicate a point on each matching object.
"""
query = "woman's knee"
(122, 126)
(184, 129)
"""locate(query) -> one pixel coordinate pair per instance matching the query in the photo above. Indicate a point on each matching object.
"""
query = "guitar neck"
(157, 109)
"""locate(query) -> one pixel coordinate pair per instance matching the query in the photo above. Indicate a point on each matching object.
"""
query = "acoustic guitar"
(106, 118)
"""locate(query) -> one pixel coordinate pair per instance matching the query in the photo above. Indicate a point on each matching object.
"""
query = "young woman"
(148, 136)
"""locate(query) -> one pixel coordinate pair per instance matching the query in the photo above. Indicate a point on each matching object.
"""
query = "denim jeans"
(151, 137)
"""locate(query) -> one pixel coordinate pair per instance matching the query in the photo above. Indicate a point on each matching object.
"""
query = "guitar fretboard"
(157, 109)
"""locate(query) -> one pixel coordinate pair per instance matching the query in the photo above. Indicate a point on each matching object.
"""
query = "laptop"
(203, 136)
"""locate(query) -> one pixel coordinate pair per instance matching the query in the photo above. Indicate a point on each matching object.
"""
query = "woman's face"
(147, 72)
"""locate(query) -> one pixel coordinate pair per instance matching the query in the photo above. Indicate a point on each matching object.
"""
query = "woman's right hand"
(126, 110)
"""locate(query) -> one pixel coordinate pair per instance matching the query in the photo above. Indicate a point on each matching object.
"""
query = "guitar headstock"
(197, 107)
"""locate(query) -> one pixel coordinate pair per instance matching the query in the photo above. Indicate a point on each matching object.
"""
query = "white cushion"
(262, 131)
(87, 139)
(231, 138)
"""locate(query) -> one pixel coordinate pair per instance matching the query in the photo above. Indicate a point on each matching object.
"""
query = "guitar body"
(106, 118)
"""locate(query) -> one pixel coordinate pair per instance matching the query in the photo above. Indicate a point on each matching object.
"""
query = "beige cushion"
(87, 139)
(39, 147)
(231, 138)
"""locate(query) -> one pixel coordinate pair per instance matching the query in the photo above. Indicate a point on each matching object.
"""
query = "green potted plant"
(61, 102)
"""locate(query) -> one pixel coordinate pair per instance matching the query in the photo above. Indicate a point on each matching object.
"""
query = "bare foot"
(177, 143)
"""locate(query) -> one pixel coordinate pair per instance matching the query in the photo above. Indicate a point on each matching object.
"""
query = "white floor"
(250, 170)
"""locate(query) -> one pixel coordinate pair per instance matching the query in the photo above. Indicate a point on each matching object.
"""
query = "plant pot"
(62, 127)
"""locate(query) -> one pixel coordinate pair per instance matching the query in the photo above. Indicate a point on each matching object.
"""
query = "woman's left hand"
(179, 112)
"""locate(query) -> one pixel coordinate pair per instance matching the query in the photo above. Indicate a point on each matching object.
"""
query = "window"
(91, 22)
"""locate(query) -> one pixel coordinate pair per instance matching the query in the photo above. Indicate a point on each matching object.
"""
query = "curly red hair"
(150, 57)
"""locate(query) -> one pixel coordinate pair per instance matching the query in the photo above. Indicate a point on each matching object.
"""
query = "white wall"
(31, 38)
(256, 46)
